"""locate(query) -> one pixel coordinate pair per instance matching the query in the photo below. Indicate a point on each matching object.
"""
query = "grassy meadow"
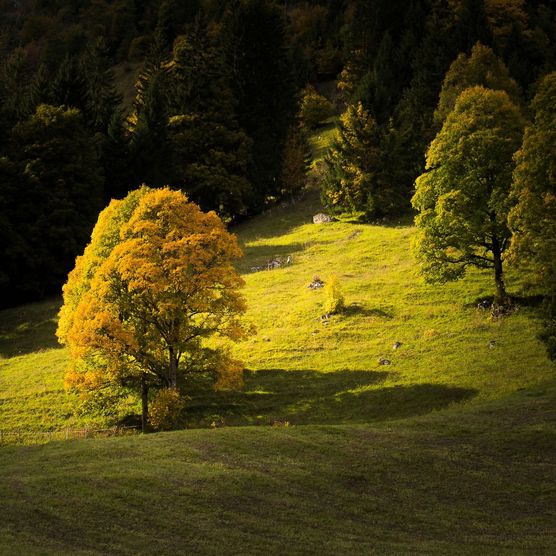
(306, 370)
(448, 449)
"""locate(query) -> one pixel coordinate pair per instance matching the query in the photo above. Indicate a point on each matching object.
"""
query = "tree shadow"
(281, 218)
(29, 328)
(486, 301)
(356, 309)
(312, 397)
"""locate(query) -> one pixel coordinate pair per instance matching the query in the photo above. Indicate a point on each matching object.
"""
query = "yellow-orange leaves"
(155, 283)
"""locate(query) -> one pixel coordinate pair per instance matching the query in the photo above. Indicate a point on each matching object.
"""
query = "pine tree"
(255, 43)
(354, 162)
(150, 149)
(64, 192)
(212, 155)
(295, 165)
(101, 99)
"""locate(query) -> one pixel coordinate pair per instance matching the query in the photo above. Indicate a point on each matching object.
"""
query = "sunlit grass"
(302, 368)
(449, 449)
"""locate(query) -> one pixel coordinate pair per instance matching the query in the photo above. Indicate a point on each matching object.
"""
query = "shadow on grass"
(280, 219)
(358, 310)
(311, 397)
(29, 328)
(485, 302)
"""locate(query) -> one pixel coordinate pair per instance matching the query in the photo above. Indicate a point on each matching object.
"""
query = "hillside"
(303, 369)
(449, 449)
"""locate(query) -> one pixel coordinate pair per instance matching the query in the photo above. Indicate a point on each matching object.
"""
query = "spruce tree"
(262, 81)
(354, 165)
(212, 155)
(64, 191)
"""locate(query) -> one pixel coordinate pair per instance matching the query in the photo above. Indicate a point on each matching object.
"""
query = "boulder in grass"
(322, 218)
(316, 284)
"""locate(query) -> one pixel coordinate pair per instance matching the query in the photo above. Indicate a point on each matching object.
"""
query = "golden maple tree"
(155, 283)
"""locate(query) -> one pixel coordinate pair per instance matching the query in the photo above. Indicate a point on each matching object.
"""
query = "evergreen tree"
(150, 150)
(115, 158)
(15, 76)
(354, 180)
(63, 192)
(18, 280)
(212, 154)
(68, 86)
(481, 67)
(101, 99)
(262, 84)
(295, 165)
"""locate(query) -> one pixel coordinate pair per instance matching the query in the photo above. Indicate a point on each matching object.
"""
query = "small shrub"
(315, 108)
(165, 409)
(334, 297)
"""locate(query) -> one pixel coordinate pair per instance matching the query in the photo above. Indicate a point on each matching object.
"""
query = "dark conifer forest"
(214, 97)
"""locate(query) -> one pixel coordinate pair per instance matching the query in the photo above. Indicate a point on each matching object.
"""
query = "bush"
(315, 108)
(334, 297)
(165, 409)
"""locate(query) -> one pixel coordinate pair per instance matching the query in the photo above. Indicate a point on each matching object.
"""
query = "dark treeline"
(216, 105)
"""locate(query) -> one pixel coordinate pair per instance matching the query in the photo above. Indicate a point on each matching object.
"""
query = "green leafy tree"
(154, 285)
(463, 197)
(481, 67)
(533, 219)
(315, 108)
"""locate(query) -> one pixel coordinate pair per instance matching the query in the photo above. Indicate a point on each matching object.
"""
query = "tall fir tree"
(263, 85)
(355, 179)
(63, 193)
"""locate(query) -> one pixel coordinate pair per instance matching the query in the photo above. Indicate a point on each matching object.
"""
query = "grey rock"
(322, 218)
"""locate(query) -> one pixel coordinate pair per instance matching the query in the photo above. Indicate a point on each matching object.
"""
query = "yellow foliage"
(229, 375)
(334, 296)
(165, 409)
(156, 281)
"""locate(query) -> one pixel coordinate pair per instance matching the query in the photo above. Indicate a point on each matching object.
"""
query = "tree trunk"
(501, 295)
(173, 374)
(144, 404)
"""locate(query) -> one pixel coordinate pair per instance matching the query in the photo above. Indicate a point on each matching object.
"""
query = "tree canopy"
(463, 198)
(533, 219)
(154, 285)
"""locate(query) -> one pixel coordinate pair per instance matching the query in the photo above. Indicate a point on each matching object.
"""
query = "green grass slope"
(306, 370)
(463, 482)
(450, 449)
